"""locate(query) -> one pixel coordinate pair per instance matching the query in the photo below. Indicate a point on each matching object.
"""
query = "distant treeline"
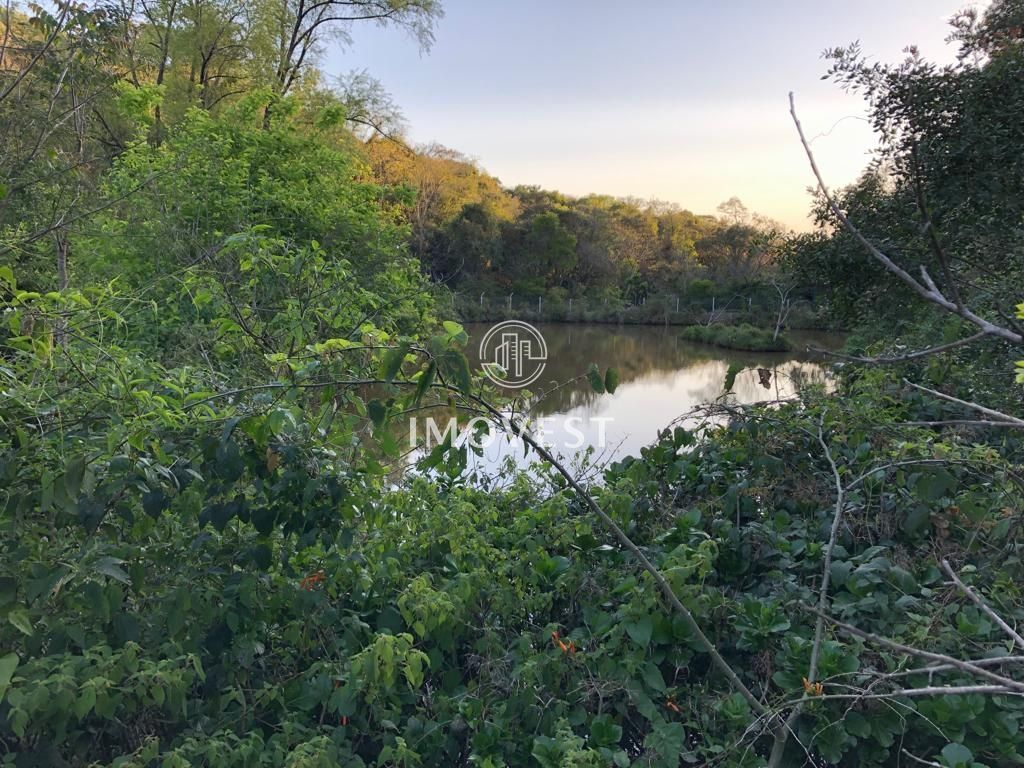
(476, 236)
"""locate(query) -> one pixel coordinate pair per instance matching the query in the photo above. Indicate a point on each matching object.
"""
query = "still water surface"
(661, 377)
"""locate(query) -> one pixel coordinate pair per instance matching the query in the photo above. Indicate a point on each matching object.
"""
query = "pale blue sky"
(684, 100)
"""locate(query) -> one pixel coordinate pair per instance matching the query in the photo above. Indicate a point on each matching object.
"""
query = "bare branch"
(928, 292)
(980, 602)
(964, 666)
(901, 358)
(962, 422)
(996, 415)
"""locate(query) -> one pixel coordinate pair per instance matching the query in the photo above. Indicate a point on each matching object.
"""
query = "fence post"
(570, 305)
(540, 304)
(677, 303)
(712, 303)
(510, 302)
(481, 299)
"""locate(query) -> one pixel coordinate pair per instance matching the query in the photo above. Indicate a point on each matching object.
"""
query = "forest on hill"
(478, 237)
(224, 280)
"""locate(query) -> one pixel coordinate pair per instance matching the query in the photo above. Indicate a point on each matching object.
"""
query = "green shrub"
(745, 337)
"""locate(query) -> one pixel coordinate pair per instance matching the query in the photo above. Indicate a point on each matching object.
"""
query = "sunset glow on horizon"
(647, 102)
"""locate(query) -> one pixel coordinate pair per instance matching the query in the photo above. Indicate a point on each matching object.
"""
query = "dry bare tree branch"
(995, 415)
(901, 358)
(926, 290)
(980, 602)
(964, 666)
(919, 760)
(962, 422)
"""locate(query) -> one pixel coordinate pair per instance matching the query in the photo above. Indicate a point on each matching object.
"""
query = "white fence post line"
(677, 303)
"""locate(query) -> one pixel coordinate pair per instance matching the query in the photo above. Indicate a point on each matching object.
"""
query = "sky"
(680, 100)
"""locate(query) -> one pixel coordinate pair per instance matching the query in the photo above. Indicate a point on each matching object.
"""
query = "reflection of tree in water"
(649, 353)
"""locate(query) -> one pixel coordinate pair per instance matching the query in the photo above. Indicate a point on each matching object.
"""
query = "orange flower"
(813, 689)
(312, 580)
(567, 647)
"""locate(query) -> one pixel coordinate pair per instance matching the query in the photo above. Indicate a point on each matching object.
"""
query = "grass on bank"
(743, 337)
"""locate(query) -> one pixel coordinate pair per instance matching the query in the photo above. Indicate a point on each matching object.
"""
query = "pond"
(661, 377)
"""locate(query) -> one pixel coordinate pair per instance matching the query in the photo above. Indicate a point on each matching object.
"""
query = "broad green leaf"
(8, 663)
(377, 412)
(111, 566)
(611, 381)
(640, 630)
(74, 471)
(19, 620)
(425, 381)
(957, 756)
(391, 363)
(604, 731)
(668, 741)
(730, 375)
(456, 368)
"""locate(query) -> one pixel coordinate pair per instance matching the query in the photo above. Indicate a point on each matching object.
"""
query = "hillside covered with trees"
(224, 281)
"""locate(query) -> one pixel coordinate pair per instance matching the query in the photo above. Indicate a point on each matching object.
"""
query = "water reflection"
(660, 378)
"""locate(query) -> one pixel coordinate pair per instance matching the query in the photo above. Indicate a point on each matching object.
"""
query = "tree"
(297, 28)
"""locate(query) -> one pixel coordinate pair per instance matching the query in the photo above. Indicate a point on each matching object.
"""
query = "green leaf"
(957, 756)
(594, 377)
(425, 380)
(668, 740)
(730, 375)
(456, 367)
(111, 566)
(261, 556)
(640, 630)
(73, 474)
(604, 731)
(653, 677)
(20, 621)
(391, 364)
(85, 702)
(8, 663)
(154, 502)
(377, 411)
(455, 332)
(8, 590)
(611, 381)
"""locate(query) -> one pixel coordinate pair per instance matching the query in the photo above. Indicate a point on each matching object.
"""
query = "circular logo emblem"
(513, 354)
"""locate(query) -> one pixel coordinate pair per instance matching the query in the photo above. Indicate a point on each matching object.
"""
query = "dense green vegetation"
(605, 253)
(215, 306)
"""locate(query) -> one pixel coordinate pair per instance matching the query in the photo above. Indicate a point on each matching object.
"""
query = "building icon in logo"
(513, 354)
